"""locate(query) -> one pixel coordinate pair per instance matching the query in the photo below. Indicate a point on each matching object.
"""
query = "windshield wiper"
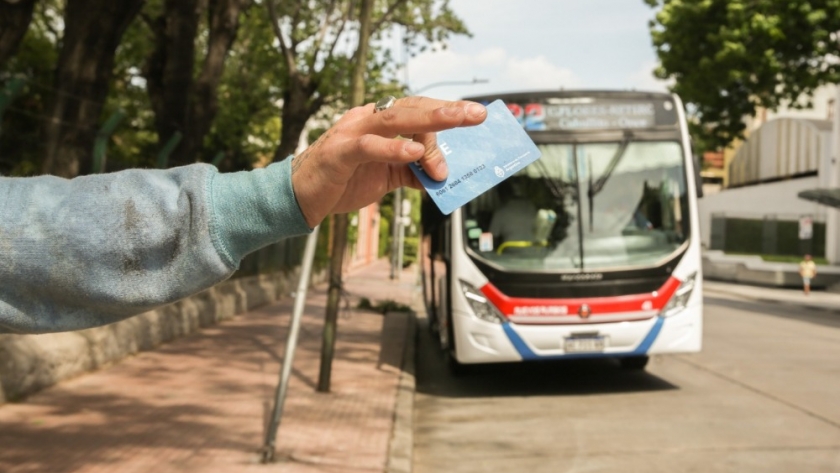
(598, 186)
(555, 185)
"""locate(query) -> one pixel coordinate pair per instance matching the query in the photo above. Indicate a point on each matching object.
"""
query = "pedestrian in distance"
(83, 252)
(808, 270)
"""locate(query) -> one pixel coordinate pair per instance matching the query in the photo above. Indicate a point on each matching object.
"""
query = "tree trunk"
(93, 30)
(15, 16)
(181, 102)
(298, 108)
(224, 25)
(169, 70)
(339, 241)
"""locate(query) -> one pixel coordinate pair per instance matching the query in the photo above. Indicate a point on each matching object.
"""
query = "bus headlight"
(482, 308)
(680, 298)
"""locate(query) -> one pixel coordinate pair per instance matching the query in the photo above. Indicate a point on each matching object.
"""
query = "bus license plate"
(584, 344)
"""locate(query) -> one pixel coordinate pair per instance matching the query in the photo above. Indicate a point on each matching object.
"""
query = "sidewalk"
(820, 300)
(201, 403)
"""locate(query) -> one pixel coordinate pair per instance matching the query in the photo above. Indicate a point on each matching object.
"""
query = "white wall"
(755, 201)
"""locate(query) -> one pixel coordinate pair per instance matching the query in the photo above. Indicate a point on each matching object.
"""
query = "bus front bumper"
(478, 341)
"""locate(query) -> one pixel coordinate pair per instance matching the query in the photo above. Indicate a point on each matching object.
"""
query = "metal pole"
(217, 160)
(291, 343)
(401, 243)
(395, 231)
(100, 146)
(168, 148)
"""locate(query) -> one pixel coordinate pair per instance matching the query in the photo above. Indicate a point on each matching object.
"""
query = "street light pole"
(395, 231)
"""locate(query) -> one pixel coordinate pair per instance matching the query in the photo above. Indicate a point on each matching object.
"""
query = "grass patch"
(382, 307)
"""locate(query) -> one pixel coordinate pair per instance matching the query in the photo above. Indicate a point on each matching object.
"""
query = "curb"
(401, 445)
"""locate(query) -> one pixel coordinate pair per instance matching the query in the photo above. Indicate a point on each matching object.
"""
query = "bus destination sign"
(588, 114)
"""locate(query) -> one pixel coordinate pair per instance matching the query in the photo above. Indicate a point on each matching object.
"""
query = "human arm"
(94, 250)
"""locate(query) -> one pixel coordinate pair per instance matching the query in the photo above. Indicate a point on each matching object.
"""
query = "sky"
(522, 45)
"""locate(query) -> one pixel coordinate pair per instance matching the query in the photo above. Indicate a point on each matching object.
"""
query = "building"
(785, 154)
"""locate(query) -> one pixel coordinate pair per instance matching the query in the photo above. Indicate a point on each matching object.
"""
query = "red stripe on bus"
(597, 305)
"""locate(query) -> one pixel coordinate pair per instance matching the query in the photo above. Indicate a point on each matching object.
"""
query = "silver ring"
(384, 103)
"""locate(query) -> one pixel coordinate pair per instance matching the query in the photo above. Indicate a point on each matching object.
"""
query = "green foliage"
(256, 79)
(386, 213)
(728, 57)
(410, 250)
(319, 39)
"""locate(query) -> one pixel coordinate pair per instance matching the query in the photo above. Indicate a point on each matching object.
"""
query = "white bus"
(591, 251)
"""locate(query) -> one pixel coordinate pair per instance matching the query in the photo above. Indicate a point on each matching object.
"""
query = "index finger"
(415, 115)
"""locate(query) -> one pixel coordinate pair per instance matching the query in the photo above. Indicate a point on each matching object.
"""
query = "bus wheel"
(634, 362)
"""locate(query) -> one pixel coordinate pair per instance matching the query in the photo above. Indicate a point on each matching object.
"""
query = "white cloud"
(643, 79)
(491, 57)
(538, 73)
(505, 73)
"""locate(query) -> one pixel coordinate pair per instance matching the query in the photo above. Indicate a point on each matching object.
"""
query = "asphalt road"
(763, 396)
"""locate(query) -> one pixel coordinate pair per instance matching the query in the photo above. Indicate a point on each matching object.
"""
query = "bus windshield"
(583, 207)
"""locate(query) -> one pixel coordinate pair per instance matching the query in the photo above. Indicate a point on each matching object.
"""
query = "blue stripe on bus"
(527, 354)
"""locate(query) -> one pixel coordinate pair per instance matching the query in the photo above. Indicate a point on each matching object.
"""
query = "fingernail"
(413, 148)
(475, 110)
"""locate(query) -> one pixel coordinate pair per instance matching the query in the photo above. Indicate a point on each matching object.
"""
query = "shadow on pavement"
(814, 315)
(549, 378)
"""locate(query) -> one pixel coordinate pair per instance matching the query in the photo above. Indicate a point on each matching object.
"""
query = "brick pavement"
(201, 403)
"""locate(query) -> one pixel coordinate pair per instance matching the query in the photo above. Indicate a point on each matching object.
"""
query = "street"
(761, 396)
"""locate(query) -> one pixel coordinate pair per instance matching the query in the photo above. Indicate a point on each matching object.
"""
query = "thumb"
(433, 161)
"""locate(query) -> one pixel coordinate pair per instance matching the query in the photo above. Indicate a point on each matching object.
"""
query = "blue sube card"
(479, 158)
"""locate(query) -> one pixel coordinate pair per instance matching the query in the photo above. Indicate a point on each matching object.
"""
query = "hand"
(361, 158)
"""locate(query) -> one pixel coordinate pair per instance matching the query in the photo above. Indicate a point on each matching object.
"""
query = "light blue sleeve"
(96, 249)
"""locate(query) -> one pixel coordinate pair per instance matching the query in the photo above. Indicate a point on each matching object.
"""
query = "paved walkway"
(815, 300)
(201, 404)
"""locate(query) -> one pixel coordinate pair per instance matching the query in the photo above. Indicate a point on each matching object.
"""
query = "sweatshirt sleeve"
(96, 249)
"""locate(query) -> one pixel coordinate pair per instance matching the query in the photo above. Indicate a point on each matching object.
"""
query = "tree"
(185, 102)
(82, 75)
(248, 121)
(312, 38)
(728, 57)
(15, 16)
